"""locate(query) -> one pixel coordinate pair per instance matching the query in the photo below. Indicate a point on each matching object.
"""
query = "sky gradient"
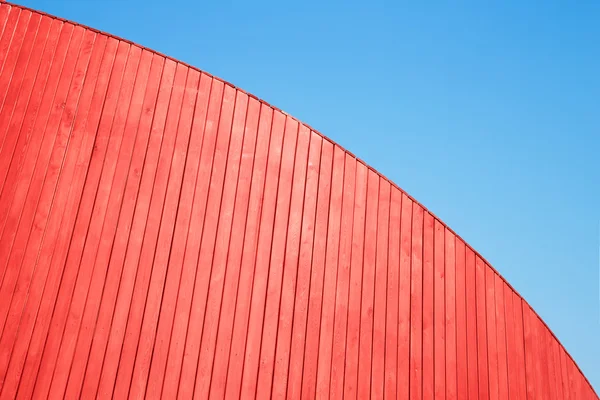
(487, 115)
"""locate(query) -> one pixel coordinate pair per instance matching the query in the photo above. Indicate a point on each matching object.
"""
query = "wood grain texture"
(164, 234)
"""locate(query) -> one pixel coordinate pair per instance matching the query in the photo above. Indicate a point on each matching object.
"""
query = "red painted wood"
(164, 234)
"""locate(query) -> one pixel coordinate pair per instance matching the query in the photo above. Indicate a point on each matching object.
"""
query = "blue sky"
(487, 114)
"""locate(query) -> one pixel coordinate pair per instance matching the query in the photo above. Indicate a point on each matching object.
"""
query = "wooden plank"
(317, 279)
(501, 328)
(181, 127)
(302, 290)
(365, 345)
(263, 252)
(450, 312)
(416, 304)
(428, 308)
(249, 250)
(242, 201)
(336, 376)
(403, 380)
(197, 311)
(350, 303)
(381, 287)
(439, 318)
(302, 194)
(332, 254)
(11, 154)
(288, 219)
(492, 344)
(472, 327)
(462, 360)
(482, 339)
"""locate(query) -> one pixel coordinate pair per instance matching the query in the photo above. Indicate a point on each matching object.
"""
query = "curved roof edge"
(358, 159)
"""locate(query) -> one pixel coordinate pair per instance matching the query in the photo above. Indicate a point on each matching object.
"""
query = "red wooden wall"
(163, 233)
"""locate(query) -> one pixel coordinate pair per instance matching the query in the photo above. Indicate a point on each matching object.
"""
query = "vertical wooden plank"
(51, 158)
(381, 287)
(365, 346)
(511, 343)
(529, 340)
(288, 218)
(254, 157)
(181, 128)
(332, 256)
(503, 388)
(317, 279)
(450, 296)
(207, 246)
(336, 376)
(56, 259)
(22, 58)
(274, 196)
(482, 346)
(46, 82)
(116, 319)
(13, 43)
(4, 12)
(183, 216)
(217, 261)
(472, 326)
(85, 299)
(6, 38)
(88, 358)
(519, 348)
(128, 346)
(303, 285)
(53, 198)
(16, 201)
(351, 302)
(439, 318)
(248, 257)
(20, 296)
(566, 389)
(416, 305)
(11, 155)
(428, 308)
(284, 307)
(50, 262)
(403, 383)
(490, 299)
(462, 364)
(391, 336)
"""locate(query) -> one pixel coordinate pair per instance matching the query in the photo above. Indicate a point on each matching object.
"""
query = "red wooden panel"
(251, 240)
(492, 344)
(428, 308)
(299, 312)
(439, 312)
(391, 328)
(403, 379)
(503, 392)
(482, 339)
(365, 349)
(381, 288)
(336, 376)
(462, 364)
(450, 312)
(317, 279)
(333, 255)
(350, 316)
(416, 305)
(165, 234)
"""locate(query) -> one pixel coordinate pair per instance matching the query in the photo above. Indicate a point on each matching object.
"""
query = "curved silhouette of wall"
(164, 233)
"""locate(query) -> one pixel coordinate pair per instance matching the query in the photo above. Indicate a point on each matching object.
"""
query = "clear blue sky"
(488, 115)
